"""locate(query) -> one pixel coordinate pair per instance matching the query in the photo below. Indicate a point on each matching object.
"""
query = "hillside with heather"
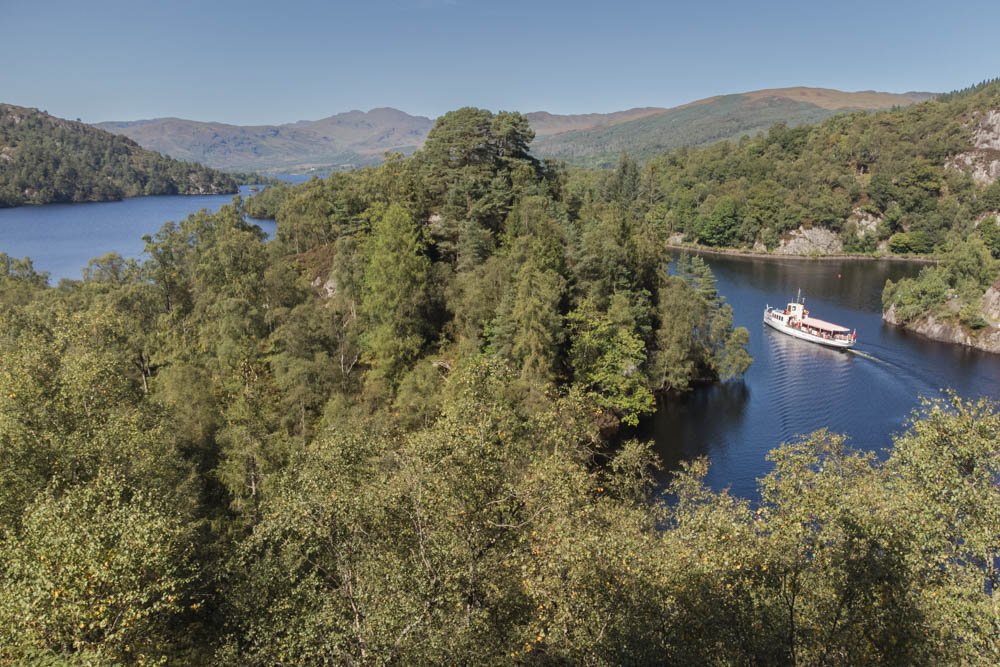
(44, 159)
(356, 138)
(726, 117)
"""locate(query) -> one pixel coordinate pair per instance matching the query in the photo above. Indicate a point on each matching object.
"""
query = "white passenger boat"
(794, 320)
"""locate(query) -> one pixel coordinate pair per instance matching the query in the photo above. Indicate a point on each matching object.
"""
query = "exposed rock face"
(325, 288)
(983, 161)
(865, 222)
(987, 338)
(991, 304)
(889, 316)
(810, 241)
(987, 134)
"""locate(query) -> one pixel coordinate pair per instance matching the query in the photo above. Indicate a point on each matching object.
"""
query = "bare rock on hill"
(864, 223)
(810, 241)
(991, 304)
(983, 161)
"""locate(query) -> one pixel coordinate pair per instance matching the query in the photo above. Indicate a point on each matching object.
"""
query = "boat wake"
(869, 357)
(799, 403)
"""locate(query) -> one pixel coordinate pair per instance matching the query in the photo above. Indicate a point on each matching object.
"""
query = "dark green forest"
(44, 159)
(398, 433)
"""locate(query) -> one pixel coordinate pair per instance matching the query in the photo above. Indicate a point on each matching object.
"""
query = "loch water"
(62, 238)
(795, 387)
(792, 388)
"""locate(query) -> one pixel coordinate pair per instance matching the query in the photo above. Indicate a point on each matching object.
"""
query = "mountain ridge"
(359, 138)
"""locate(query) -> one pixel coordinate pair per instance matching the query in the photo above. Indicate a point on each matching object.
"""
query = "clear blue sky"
(273, 62)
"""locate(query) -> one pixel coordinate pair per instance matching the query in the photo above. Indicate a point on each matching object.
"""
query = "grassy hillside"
(46, 159)
(708, 121)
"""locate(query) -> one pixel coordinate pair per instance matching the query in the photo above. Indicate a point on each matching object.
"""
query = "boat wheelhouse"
(795, 321)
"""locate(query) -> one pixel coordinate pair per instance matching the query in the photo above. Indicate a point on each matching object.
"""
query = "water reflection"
(698, 423)
(795, 387)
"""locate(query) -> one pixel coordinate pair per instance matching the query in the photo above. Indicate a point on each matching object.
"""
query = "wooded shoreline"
(735, 252)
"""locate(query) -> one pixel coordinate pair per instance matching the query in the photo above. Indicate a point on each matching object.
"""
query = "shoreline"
(736, 252)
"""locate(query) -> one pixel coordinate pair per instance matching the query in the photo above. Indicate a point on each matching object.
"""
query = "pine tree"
(394, 294)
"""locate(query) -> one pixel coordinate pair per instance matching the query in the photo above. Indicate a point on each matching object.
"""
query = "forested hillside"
(905, 180)
(44, 159)
(389, 436)
(705, 122)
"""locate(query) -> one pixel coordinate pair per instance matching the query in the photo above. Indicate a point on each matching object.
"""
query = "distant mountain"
(46, 159)
(351, 139)
(710, 120)
(359, 138)
(546, 124)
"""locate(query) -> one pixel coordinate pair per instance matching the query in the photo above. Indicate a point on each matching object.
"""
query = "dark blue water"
(62, 238)
(795, 387)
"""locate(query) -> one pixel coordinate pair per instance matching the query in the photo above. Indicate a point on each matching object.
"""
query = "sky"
(254, 62)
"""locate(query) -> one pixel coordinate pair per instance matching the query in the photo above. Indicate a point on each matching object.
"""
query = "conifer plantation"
(399, 433)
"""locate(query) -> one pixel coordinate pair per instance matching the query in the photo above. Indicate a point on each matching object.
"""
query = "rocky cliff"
(982, 161)
(810, 241)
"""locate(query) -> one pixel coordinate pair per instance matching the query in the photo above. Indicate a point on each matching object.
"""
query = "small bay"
(62, 238)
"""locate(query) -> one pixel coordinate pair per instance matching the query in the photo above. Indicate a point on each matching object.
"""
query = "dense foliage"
(889, 176)
(952, 290)
(381, 437)
(45, 159)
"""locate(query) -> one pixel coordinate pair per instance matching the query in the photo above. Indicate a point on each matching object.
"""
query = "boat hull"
(795, 333)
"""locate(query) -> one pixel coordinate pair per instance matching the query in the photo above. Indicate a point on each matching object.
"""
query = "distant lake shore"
(737, 252)
(61, 239)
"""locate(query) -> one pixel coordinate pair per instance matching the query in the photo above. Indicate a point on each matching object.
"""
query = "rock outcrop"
(986, 338)
(810, 241)
(991, 304)
(863, 222)
(326, 288)
(983, 161)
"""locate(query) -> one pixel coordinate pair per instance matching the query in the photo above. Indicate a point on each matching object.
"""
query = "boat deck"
(824, 325)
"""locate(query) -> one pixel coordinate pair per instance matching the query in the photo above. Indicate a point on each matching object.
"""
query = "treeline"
(868, 177)
(45, 159)
(382, 437)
